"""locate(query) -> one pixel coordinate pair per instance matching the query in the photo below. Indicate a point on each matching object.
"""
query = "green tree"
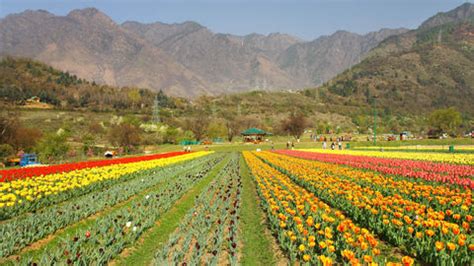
(321, 128)
(446, 120)
(216, 129)
(6, 150)
(53, 147)
(88, 142)
(171, 135)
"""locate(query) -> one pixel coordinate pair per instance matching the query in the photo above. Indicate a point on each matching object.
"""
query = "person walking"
(292, 145)
(324, 145)
(287, 145)
(340, 145)
(333, 146)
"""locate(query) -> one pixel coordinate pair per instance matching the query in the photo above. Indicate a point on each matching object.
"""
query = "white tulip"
(128, 224)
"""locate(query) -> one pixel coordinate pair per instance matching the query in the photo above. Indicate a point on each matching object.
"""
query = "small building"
(254, 135)
(405, 135)
(34, 99)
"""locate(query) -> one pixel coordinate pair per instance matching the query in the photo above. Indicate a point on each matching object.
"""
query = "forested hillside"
(22, 79)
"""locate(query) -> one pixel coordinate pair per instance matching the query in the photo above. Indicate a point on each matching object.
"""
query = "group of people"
(290, 144)
(337, 142)
(187, 148)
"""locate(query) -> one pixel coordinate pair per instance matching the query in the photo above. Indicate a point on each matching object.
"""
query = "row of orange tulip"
(455, 202)
(308, 229)
(423, 231)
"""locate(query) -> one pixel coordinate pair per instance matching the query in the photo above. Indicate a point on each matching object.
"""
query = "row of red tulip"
(431, 171)
(20, 173)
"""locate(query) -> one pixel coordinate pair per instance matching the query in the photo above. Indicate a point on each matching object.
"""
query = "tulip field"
(298, 207)
(340, 208)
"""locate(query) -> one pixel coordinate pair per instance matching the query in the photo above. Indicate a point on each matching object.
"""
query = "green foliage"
(447, 120)
(186, 135)
(22, 79)
(53, 147)
(6, 150)
(171, 135)
(164, 101)
(88, 143)
(216, 129)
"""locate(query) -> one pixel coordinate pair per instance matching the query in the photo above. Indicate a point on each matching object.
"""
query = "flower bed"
(109, 235)
(428, 233)
(446, 173)
(21, 195)
(20, 173)
(208, 234)
(307, 228)
(25, 229)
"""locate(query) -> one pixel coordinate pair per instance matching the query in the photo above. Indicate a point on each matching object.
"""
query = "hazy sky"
(305, 19)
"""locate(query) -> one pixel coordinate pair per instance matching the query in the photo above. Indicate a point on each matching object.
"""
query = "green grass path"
(257, 247)
(144, 249)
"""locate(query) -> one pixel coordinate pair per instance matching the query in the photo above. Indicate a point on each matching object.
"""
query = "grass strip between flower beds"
(257, 248)
(144, 249)
(56, 238)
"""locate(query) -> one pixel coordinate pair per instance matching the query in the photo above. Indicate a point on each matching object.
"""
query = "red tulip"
(20, 173)
(431, 171)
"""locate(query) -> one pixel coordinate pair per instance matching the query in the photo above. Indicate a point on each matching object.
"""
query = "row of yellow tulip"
(18, 191)
(420, 147)
(422, 230)
(310, 230)
(455, 158)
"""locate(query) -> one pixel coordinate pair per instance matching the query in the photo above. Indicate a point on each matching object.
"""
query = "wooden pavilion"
(254, 135)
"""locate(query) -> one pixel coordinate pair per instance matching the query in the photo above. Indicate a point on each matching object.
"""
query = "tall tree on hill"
(198, 125)
(295, 124)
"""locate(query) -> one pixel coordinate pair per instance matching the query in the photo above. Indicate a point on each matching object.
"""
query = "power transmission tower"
(156, 111)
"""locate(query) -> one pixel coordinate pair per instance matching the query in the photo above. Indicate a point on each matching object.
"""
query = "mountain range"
(423, 69)
(404, 77)
(182, 59)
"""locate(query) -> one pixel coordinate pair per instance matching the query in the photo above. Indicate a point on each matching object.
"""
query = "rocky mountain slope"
(317, 61)
(90, 45)
(184, 59)
(415, 72)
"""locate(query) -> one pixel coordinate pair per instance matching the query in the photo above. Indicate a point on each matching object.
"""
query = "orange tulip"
(407, 261)
(439, 245)
(306, 257)
(349, 255)
(451, 246)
